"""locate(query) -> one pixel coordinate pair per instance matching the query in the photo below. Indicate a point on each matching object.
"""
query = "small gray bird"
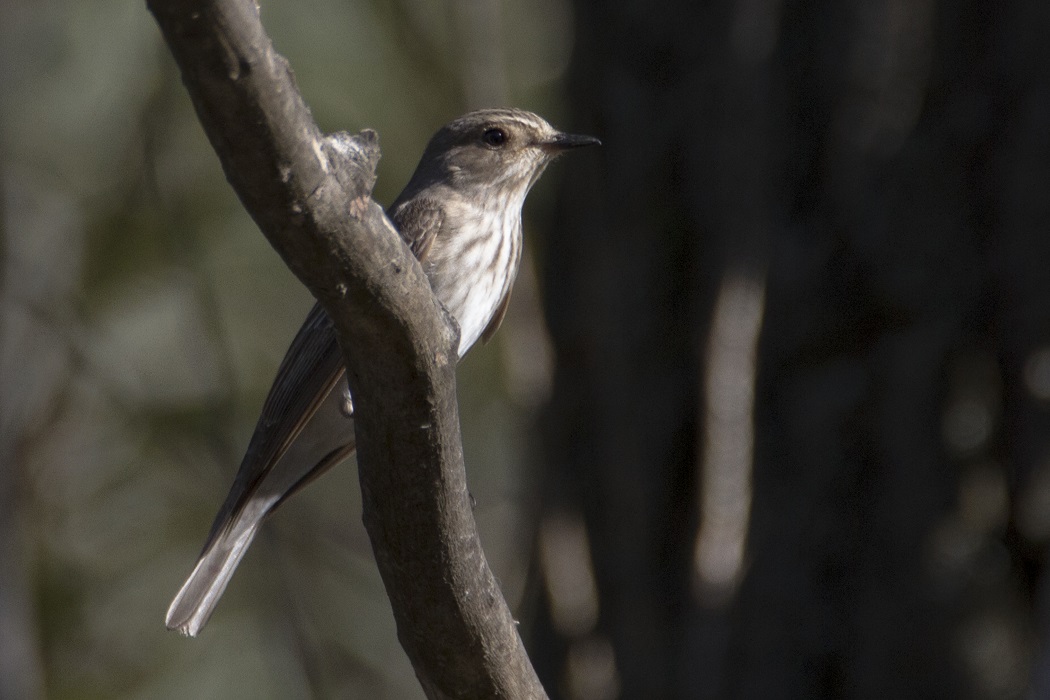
(461, 216)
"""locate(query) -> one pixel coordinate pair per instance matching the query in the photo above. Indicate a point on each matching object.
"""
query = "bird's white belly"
(461, 273)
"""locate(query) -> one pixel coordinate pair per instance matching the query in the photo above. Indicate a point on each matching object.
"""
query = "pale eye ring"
(494, 137)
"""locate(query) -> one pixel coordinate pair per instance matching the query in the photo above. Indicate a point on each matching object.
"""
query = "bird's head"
(495, 148)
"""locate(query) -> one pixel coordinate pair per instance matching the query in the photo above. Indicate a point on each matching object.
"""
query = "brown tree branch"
(310, 196)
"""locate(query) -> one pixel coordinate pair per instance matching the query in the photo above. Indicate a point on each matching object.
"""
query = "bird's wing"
(497, 318)
(311, 369)
(418, 220)
(302, 432)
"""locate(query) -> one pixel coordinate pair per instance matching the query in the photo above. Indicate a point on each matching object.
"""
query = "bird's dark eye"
(494, 137)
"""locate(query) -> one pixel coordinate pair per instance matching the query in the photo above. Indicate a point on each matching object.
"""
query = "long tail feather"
(197, 598)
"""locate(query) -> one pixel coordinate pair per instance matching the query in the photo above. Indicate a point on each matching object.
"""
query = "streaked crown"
(493, 148)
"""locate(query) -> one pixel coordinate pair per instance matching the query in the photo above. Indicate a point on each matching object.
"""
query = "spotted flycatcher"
(461, 216)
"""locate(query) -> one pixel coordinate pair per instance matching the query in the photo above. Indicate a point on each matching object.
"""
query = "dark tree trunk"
(882, 171)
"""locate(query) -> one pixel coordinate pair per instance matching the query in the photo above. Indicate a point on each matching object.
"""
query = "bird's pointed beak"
(563, 142)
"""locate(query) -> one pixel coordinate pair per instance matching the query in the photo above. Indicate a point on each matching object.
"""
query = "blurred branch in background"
(564, 559)
(724, 479)
(479, 43)
(21, 663)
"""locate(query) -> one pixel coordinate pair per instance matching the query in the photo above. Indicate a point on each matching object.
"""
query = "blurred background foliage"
(143, 317)
(768, 417)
